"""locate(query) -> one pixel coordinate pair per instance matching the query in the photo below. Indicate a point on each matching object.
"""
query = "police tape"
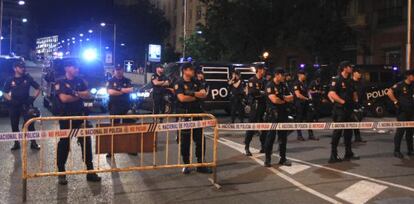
(113, 130)
(162, 127)
(316, 126)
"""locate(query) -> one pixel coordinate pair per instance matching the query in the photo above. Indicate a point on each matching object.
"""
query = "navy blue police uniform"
(404, 94)
(21, 102)
(189, 88)
(119, 105)
(316, 93)
(277, 113)
(303, 111)
(342, 113)
(75, 108)
(236, 100)
(159, 93)
(257, 102)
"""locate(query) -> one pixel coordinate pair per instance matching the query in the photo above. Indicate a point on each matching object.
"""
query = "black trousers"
(64, 146)
(256, 115)
(282, 137)
(341, 114)
(15, 113)
(159, 103)
(186, 144)
(237, 109)
(404, 116)
(303, 115)
(119, 109)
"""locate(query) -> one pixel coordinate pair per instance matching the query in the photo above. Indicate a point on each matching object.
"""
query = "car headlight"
(93, 91)
(1, 93)
(102, 91)
(133, 96)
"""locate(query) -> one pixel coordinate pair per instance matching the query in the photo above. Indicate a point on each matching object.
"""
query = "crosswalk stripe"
(361, 192)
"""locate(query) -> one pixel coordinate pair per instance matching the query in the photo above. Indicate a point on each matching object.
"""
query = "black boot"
(351, 156)
(284, 162)
(92, 177)
(334, 158)
(399, 155)
(34, 145)
(267, 161)
(247, 150)
(16, 146)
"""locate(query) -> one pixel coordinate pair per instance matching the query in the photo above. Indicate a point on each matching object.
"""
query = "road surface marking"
(336, 170)
(295, 168)
(240, 148)
(361, 192)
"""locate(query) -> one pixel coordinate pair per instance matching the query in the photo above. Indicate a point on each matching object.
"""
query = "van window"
(216, 73)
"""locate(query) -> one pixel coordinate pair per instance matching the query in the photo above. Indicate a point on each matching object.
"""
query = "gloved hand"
(189, 93)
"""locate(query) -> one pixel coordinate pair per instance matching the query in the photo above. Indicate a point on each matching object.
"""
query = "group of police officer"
(270, 99)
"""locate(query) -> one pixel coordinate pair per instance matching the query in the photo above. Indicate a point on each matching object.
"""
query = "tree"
(240, 30)
(138, 26)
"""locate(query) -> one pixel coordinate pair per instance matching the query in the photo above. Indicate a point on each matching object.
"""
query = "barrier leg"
(24, 194)
(213, 178)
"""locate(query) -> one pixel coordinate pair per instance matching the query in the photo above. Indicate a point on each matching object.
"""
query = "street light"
(81, 35)
(20, 3)
(265, 55)
(122, 44)
(90, 31)
(24, 20)
(103, 24)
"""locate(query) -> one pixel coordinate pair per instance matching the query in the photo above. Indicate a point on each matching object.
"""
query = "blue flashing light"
(90, 54)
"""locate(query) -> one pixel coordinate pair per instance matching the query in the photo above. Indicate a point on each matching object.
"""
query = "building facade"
(174, 12)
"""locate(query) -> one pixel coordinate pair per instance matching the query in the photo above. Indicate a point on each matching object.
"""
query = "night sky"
(61, 16)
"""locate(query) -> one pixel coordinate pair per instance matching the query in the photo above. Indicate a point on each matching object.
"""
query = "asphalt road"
(377, 178)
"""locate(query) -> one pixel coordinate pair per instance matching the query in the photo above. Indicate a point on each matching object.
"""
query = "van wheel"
(379, 111)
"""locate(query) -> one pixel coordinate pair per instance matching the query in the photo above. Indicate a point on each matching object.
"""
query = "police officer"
(160, 83)
(278, 96)
(236, 96)
(17, 92)
(70, 92)
(401, 94)
(189, 93)
(257, 102)
(342, 94)
(315, 91)
(302, 99)
(203, 83)
(357, 115)
(119, 87)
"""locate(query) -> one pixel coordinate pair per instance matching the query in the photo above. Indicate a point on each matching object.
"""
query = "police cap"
(344, 64)
(20, 64)
(259, 66)
(279, 70)
(187, 66)
(409, 72)
(301, 71)
(70, 62)
(118, 67)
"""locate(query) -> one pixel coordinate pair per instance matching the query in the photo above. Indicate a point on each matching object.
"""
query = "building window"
(390, 12)
(199, 13)
(393, 57)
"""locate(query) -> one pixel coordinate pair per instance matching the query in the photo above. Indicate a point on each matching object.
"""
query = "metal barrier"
(158, 128)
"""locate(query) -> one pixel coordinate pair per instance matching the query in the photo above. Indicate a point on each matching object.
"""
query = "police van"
(376, 81)
(91, 71)
(217, 76)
